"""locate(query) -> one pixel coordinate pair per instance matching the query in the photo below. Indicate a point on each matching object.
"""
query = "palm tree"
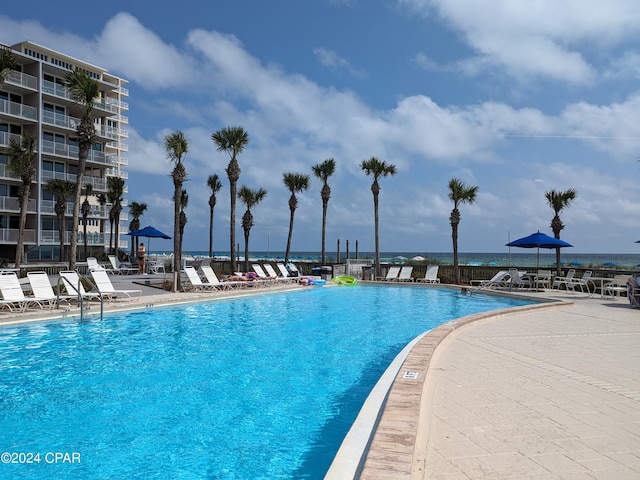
(84, 91)
(558, 201)
(115, 193)
(213, 182)
(296, 183)
(136, 210)
(61, 191)
(459, 193)
(250, 198)
(323, 171)
(7, 63)
(85, 210)
(176, 146)
(21, 157)
(378, 169)
(184, 201)
(232, 140)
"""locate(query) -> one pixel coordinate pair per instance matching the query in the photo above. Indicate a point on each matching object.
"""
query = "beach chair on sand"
(431, 275)
(405, 274)
(106, 289)
(391, 275)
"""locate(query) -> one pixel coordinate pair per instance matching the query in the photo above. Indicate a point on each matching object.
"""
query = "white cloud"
(333, 61)
(546, 38)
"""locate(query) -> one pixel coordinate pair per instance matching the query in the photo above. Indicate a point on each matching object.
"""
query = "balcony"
(61, 91)
(10, 236)
(71, 152)
(48, 206)
(6, 173)
(96, 182)
(12, 204)
(60, 120)
(22, 80)
(5, 138)
(19, 110)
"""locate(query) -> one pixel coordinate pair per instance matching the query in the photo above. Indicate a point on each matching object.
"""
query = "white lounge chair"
(212, 279)
(196, 282)
(391, 275)
(261, 273)
(284, 272)
(273, 274)
(74, 287)
(120, 268)
(92, 264)
(405, 274)
(41, 288)
(498, 280)
(13, 296)
(430, 275)
(106, 289)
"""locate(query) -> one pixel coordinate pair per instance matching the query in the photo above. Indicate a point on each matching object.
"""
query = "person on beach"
(141, 258)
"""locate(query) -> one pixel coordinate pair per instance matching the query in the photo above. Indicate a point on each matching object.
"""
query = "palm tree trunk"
(232, 225)
(456, 267)
(24, 202)
(286, 255)
(177, 254)
(83, 153)
(324, 226)
(246, 250)
(211, 232)
(377, 238)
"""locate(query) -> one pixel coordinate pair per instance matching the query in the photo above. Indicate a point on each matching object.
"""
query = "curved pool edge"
(388, 420)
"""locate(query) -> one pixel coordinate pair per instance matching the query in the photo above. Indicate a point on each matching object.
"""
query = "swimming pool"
(256, 387)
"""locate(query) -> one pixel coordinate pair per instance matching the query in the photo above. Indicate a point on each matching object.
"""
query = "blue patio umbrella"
(149, 232)
(539, 240)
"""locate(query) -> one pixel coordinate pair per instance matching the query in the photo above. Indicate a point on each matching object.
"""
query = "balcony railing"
(48, 206)
(10, 235)
(18, 110)
(5, 138)
(96, 182)
(61, 91)
(12, 204)
(60, 120)
(22, 79)
(5, 172)
(71, 151)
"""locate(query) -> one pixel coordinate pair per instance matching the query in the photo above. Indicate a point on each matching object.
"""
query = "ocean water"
(515, 258)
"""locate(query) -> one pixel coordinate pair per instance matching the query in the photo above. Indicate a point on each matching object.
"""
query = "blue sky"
(515, 97)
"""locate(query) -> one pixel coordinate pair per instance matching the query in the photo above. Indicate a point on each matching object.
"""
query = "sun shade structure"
(149, 232)
(538, 240)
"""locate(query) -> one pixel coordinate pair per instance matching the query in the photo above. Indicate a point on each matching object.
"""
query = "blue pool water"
(257, 387)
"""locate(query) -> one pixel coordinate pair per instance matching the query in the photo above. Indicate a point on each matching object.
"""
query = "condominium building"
(34, 100)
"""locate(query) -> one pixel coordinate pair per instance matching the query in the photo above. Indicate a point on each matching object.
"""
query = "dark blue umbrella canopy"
(149, 232)
(538, 240)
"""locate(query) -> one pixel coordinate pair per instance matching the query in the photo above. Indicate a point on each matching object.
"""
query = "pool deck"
(549, 392)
